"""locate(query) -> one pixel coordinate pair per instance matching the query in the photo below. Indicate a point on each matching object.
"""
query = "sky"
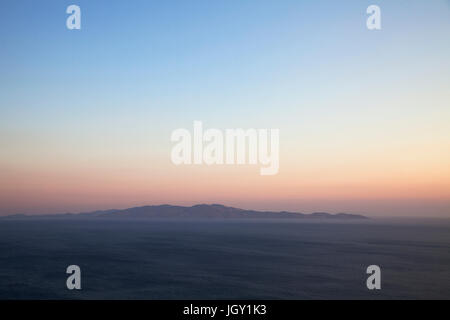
(86, 115)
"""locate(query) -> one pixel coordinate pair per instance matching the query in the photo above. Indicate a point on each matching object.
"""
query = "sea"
(224, 259)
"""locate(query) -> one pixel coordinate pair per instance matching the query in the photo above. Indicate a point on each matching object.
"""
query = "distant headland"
(200, 211)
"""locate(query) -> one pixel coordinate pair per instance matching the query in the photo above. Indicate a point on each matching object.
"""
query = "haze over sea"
(233, 259)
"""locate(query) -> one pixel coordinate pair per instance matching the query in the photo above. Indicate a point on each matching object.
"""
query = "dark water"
(223, 260)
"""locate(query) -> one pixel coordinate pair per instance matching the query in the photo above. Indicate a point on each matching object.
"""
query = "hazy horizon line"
(120, 208)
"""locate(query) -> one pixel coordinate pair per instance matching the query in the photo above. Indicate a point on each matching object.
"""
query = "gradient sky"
(364, 116)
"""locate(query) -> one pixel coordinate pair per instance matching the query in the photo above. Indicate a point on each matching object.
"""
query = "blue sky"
(213, 58)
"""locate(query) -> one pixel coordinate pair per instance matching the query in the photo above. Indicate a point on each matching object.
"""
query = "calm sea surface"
(224, 259)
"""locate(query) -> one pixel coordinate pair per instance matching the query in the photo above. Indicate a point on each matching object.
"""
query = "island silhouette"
(200, 211)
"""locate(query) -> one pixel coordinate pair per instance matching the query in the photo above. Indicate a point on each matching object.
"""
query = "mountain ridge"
(199, 211)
